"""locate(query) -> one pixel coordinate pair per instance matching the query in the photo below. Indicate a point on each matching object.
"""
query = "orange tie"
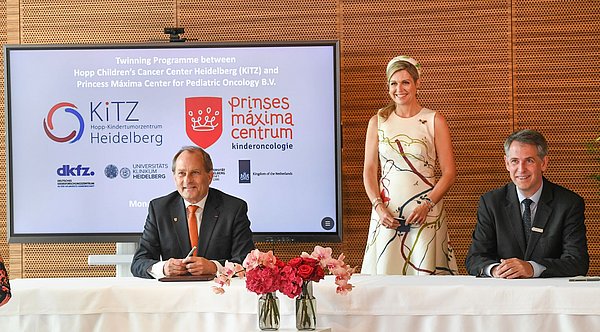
(193, 226)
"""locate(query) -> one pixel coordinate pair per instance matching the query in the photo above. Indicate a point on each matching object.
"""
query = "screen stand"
(122, 260)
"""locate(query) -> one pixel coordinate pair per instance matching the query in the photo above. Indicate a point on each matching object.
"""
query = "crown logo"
(245, 177)
(205, 120)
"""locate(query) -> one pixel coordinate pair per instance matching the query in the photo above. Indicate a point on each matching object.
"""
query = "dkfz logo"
(68, 108)
(79, 170)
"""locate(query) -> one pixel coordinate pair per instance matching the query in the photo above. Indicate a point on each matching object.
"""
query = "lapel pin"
(175, 219)
(537, 230)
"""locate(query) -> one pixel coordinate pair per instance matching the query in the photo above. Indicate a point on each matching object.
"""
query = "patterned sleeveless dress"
(407, 156)
(4, 284)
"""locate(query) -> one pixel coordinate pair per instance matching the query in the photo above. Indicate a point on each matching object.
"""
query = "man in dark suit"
(516, 238)
(221, 221)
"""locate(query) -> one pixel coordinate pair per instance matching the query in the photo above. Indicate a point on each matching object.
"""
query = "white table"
(377, 303)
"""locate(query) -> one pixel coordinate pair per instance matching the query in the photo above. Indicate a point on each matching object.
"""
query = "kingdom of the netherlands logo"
(204, 120)
(244, 170)
(69, 108)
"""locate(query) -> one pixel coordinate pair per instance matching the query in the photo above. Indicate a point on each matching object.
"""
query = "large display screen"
(92, 129)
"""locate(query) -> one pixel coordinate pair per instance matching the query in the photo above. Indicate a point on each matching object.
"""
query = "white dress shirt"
(537, 268)
(157, 270)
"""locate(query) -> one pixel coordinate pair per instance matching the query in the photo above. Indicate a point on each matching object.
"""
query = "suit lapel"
(210, 215)
(179, 221)
(513, 212)
(542, 215)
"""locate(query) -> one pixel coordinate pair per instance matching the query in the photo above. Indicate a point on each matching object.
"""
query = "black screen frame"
(308, 237)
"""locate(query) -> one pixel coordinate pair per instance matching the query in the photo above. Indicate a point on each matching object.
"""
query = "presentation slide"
(92, 132)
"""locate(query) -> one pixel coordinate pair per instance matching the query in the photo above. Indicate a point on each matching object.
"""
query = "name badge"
(537, 230)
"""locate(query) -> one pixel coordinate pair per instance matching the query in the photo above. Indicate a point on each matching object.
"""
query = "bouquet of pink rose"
(265, 273)
(262, 272)
(312, 268)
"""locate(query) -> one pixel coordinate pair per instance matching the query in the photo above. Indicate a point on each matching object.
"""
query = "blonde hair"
(392, 68)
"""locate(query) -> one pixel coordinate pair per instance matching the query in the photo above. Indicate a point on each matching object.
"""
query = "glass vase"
(306, 309)
(268, 312)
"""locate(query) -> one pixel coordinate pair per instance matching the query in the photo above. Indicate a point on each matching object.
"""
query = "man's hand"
(174, 267)
(512, 268)
(199, 265)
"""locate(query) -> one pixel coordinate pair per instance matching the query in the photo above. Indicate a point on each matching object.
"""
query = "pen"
(191, 252)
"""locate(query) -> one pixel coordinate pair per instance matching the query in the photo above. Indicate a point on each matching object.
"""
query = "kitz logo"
(79, 170)
(113, 111)
(74, 135)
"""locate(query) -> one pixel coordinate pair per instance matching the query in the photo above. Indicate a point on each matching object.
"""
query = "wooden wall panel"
(89, 21)
(556, 46)
(464, 48)
(65, 22)
(4, 249)
(489, 66)
(241, 20)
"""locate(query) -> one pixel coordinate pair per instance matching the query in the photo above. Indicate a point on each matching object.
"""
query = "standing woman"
(4, 285)
(407, 139)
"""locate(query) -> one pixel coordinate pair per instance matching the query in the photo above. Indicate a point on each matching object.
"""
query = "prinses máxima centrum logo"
(74, 135)
(204, 120)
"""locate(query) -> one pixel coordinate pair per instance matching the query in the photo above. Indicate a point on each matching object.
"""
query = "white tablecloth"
(377, 303)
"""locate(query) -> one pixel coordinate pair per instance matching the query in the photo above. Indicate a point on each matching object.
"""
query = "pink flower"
(323, 255)
(305, 271)
(224, 275)
(290, 282)
(343, 289)
(319, 274)
(256, 258)
(218, 290)
(295, 262)
(223, 280)
(343, 273)
(229, 269)
(251, 260)
(265, 273)
(269, 260)
(262, 280)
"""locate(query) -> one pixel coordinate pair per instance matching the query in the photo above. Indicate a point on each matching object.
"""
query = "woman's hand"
(419, 214)
(386, 218)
